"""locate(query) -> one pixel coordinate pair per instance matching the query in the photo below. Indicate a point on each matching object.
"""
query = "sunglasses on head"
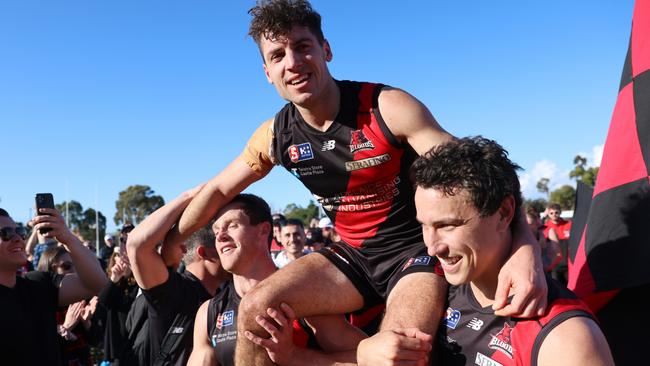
(7, 233)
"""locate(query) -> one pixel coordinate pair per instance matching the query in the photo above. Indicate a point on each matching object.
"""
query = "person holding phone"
(28, 304)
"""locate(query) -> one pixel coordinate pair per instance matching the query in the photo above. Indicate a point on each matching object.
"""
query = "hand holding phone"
(44, 200)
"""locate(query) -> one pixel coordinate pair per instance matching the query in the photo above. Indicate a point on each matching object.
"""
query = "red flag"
(614, 248)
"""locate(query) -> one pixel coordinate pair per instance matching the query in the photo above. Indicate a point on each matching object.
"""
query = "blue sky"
(99, 95)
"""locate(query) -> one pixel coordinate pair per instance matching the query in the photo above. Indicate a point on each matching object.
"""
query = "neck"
(293, 256)
(321, 114)
(8, 277)
(257, 272)
(209, 281)
(484, 286)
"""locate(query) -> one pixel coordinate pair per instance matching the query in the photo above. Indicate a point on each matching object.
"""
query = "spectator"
(173, 298)
(106, 251)
(292, 236)
(551, 255)
(562, 228)
(29, 304)
(325, 224)
(315, 240)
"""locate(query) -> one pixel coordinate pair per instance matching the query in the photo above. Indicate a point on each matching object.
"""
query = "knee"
(254, 303)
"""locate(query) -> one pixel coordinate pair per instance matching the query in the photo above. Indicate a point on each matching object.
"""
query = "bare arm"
(410, 120)
(216, 193)
(202, 351)
(523, 276)
(576, 341)
(31, 242)
(407, 346)
(89, 278)
(147, 265)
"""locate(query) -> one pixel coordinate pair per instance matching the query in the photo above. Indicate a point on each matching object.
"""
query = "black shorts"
(375, 271)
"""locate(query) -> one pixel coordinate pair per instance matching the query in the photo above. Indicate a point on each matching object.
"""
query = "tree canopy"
(135, 203)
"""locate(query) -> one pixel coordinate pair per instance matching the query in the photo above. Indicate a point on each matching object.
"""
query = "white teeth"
(450, 261)
(298, 81)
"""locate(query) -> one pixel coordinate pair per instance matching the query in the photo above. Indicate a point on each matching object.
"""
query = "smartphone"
(44, 200)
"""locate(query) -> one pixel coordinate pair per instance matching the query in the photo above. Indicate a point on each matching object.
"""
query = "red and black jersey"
(357, 170)
(472, 335)
(222, 325)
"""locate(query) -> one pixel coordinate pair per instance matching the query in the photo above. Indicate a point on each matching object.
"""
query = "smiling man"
(467, 197)
(351, 144)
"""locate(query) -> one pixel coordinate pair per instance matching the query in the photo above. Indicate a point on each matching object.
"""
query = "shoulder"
(575, 341)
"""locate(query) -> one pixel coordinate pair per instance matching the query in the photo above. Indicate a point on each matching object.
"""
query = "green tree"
(542, 186)
(304, 214)
(88, 225)
(73, 215)
(135, 203)
(581, 172)
(82, 221)
(538, 204)
(565, 196)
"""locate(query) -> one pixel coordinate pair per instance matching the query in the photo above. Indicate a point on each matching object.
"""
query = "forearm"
(86, 265)
(198, 212)
(151, 231)
(31, 242)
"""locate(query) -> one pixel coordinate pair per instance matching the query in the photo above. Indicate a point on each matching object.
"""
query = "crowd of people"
(426, 255)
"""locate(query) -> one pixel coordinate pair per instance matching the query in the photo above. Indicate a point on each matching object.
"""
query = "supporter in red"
(561, 226)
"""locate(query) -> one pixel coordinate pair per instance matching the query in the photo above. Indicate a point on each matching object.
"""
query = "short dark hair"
(257, 210)
(274, 19)
(294, 222)
(555, 206)
(4, 213)
(475, 164)
(204, 237)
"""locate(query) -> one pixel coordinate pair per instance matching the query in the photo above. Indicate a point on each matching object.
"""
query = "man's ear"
(328, 51)
(200, 250)
(506, 213)
(268, 75)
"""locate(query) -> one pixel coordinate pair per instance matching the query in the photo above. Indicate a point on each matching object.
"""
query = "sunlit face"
(63, 264)
(12, 250)
(293, 239)
(237, 241)
(297, 65)
(468, 246)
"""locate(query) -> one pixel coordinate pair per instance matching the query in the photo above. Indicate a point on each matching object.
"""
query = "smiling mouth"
(299, 80)
(449, 261)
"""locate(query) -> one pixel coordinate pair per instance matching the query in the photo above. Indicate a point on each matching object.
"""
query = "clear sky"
(99, 95)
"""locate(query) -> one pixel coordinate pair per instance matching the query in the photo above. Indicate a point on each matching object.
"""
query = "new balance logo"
(328, 145)
(475, 324)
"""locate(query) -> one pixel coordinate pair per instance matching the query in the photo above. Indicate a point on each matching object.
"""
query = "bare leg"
(417, 300)
(311, 285)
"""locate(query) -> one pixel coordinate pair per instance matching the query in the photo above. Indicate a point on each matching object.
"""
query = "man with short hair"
(173, 298)
(292, 235)
(555, 221)
(351, 144)
(243, 229)
(467, 197)
(28, 304)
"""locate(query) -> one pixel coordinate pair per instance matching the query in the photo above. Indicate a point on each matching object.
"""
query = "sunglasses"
(7, 233)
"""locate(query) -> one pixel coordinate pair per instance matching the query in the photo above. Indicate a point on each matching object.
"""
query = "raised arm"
(147, 264)
(202, 351)
(89, 278)
(576, 341)
(253, 164)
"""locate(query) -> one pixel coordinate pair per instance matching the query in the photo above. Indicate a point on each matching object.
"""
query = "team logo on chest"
(225, 319)
(359, 142)
(300, 152)
(452, 318)
(501, 341)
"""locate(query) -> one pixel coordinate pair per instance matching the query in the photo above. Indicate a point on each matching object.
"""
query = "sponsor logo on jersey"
(475, 324)
(359, 142)
(501, 341)
(300, 152)
(484, 360)
(452, 318)
(328, 145)
(418, 261)
(295, 173)
(177, 330)
(225, 319)
(367, 163)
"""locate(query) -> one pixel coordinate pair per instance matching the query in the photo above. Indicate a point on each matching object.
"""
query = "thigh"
(311, 285)
(417, 300)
